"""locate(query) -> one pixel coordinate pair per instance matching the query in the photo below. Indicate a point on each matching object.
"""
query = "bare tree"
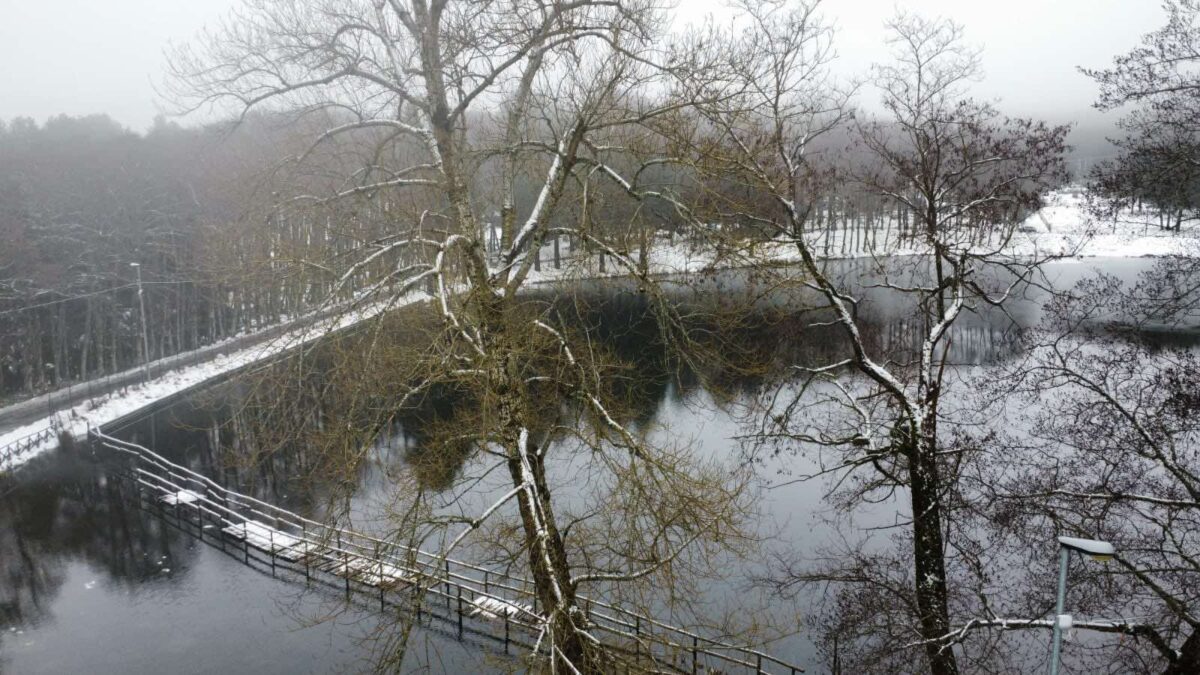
(1161, 68)
(966, 177)
(83, 198)
(585, 88)
(1160, 148)
(1110, 454)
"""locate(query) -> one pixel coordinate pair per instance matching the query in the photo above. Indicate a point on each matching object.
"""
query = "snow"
(493, 608)
(372, 572)
(104, 409)
(1063, 227)
(262, 536)
(181, 497)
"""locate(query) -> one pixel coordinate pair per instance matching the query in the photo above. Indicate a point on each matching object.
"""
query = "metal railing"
(14, 450)
(477, 590)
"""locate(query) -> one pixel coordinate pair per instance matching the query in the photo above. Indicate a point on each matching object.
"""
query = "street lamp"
(1094, 549)
(142, 314)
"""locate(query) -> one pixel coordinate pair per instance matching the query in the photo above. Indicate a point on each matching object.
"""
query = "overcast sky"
(105, 56)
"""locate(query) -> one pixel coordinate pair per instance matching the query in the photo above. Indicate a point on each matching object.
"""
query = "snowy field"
(1062, 228)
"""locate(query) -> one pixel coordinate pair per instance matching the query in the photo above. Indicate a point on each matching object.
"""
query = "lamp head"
(1093, 548)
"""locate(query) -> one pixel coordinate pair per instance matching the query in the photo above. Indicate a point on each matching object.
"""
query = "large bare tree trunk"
(549, 566)
(928, 555)
(548, 560)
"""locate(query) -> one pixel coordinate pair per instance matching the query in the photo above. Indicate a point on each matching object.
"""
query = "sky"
(87, 56)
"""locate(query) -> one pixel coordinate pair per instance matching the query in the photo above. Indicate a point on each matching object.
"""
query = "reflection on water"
(90, 583)
(93, 583)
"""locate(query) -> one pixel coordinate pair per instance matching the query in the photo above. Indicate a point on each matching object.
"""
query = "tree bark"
(928, 555)
(1189, 657)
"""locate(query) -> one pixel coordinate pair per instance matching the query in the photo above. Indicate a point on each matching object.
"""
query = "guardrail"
(15, 449)
(480, 592)
(70, 393)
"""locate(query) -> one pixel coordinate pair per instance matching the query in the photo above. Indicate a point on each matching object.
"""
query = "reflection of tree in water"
(259, 437)
(429, 433)
(28, 577)
(222, 434)
(65, 508)
(266, 444)
(750, 343)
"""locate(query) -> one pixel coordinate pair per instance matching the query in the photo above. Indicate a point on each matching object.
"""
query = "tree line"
(83, 199)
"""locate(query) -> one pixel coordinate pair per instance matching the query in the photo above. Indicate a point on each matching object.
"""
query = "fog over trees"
(485, 171)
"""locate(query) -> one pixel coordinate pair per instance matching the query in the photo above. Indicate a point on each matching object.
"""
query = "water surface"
(89, 583)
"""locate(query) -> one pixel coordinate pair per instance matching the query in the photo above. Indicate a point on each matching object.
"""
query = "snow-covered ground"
(1063, 227)
(101, 410)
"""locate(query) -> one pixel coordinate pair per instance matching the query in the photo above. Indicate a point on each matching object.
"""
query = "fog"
(80, 57)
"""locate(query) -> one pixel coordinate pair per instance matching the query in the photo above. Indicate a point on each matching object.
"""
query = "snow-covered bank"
(1062, 228)
(104, 409)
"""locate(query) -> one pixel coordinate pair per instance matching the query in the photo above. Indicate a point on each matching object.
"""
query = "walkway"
(122, 395)
(479, 600)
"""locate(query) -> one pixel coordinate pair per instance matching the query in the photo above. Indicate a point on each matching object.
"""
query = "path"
(494, 602)
(109, 401)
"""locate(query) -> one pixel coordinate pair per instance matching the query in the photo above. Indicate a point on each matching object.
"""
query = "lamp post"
(142, 314)
(1094, 549)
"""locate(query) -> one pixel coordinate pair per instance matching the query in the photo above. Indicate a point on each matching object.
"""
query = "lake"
(91, 583)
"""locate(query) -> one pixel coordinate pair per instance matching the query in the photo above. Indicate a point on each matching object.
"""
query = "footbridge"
(470, 600)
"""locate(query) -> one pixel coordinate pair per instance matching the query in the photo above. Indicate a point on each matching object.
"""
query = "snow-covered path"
(24, 412)
(112, 406)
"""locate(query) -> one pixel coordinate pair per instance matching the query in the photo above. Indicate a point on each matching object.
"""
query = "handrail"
(223, 504)
(24, 444)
